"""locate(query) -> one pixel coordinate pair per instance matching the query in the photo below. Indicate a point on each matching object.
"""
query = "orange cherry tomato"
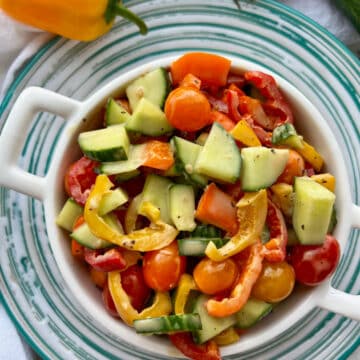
(213, 277)
(187, 109)
(275, 283)
(295, 167)
(162, 268)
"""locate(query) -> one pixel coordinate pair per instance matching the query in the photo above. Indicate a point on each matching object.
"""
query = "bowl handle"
(338, 301)
(31, 101)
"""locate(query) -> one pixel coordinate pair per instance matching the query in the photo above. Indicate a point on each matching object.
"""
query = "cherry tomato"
(79, 178)
(295, 166)
(162, 268)
(315, 263)
(132, 280)
(108, 301)
(275, 283)
(213, 277)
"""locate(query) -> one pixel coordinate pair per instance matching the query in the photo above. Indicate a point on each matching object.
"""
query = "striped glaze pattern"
(265, 33)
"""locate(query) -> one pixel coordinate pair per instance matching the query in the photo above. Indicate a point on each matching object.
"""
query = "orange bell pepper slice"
(241, 292)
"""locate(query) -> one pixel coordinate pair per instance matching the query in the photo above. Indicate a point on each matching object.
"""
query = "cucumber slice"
(253, 311)
(135, 159)
(313, 207)
(154, 86)
(156, 191)
(109, 144)
(211, 326)
(186, 154)
(285, 134)
(148, 119)
(196, 246)
(115, 114)
(261, 166)
(119, 178)
(220, 157)
(68, 214)
(112, 200)
(182, 207)
(207, 231)
(168, 324)
(83, 235)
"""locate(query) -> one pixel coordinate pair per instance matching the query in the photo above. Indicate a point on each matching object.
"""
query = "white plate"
(264, 32)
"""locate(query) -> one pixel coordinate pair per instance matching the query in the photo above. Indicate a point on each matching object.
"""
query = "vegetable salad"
(198, 206)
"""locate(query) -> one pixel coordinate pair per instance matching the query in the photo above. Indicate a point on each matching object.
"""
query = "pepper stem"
(115, 8)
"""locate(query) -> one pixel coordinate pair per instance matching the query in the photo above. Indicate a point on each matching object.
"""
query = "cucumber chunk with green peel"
(135, 159)
(68, 214)
(115, 113)
(196, 246)
(182, 207)
(148, 119)
(220, 157)
(168, 324)
(285, 134)
(313, 208)
(109, 144)
(156, 191)
(261, 166)
(83, 235)
(253, 311)
(153, 86)
(186, 154)
(112, 200)
(211, 326)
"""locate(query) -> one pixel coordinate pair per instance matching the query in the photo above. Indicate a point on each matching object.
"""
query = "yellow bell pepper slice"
(186, 284)
(283, 197)
(309, 153)
(157, 235)
(251, 214)
(161, 305)
(326, 180)
(227, 337)
(245, 134)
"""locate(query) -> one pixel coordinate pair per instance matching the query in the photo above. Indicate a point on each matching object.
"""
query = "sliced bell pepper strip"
(155, 236)
(161, 304)
(232, 99)
(77, 250)
(253, 107)
(184, 342)
(309, 153)
(245, 134)
(241, 292)
(222, 119)
(209, 68)
(131, 214)
(275, 104)
(326, 180)
(275, 248)
(251, 214)
(217, 208)
(99, 278)
(186, 284)
(111, 260)
(227, 337)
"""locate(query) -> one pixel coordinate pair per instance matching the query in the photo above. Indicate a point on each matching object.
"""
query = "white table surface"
(14, 37)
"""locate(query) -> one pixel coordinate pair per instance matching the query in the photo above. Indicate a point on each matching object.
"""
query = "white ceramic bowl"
(49, 189)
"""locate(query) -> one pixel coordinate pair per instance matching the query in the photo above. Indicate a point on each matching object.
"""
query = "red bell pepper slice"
(111, 260)
(183, 341)
(232, 99)
(275, 104)
(79, 178)
(275, 248)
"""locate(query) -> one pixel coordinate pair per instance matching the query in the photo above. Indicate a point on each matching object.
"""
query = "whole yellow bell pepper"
(251, 214)
(161, 305)
(157, 235)
(83, 20)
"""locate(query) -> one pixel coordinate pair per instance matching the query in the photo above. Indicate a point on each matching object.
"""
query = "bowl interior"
(309, 123)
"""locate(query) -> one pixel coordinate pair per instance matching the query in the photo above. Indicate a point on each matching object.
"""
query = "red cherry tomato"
(132, 280)
(315, 263)
(79, 178)
(162, 268)
(108, 301)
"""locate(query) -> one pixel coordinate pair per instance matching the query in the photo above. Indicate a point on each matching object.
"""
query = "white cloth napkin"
(15, 36)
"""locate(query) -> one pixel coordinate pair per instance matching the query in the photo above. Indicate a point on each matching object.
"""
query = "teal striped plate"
(264, 32)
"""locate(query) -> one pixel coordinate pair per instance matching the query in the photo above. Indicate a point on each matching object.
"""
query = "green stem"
(115, 8)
